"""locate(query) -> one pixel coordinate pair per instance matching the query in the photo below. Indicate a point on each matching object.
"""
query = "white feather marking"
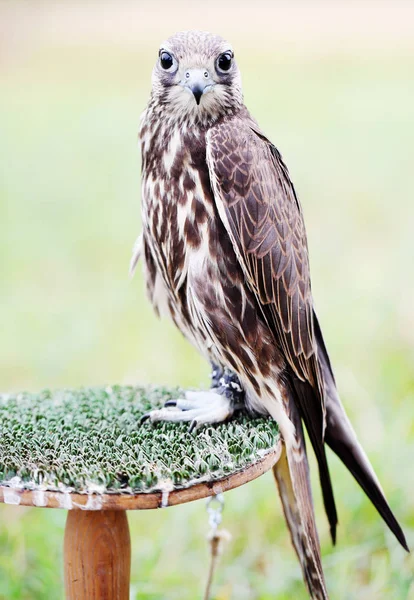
(161, 296)
(136, 255)
(183, 212)
(273, 404)
(171, 152)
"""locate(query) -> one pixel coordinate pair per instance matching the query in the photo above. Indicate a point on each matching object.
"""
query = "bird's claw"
(170, 403)
(197, 408)
(193, 426)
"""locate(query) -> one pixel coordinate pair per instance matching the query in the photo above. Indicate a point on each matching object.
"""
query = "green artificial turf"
(91, 440)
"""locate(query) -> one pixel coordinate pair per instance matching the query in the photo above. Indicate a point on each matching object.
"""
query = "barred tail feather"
(292, 476)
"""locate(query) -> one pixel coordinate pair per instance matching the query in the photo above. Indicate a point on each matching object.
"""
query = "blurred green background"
(332, 85)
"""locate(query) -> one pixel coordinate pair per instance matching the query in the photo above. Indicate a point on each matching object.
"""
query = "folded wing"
(259, 208)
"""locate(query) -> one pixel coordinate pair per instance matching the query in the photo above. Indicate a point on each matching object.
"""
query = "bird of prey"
(225, 256)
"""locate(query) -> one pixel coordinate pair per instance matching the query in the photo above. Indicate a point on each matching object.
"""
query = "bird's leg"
(217, 373)
(227, 383)
(204, 407)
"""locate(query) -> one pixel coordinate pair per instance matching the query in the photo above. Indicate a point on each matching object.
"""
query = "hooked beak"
(197, 81)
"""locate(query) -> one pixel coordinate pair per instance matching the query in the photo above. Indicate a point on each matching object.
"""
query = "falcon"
(225, 257)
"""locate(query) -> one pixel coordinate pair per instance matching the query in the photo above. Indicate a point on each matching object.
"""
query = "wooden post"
(97, 555)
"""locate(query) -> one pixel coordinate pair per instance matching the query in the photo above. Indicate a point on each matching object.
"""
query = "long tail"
(292, 476)
(340, 436)
(307, 399)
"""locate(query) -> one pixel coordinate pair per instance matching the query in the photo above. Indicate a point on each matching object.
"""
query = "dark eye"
(166, 60)
(224, 61)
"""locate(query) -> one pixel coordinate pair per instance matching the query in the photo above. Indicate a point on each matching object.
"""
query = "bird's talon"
(145, 418)
(196, 408)
(170, 403)
(193, 426)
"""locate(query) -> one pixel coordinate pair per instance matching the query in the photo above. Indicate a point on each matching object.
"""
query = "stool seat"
(85, 450)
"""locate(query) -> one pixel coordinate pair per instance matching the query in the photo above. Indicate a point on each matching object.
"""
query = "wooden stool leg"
(97, 555)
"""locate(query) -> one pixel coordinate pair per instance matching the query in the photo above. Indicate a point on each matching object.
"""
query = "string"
(216, 537)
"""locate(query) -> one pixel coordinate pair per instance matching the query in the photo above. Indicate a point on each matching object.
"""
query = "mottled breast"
(177, 204)
(192, 270)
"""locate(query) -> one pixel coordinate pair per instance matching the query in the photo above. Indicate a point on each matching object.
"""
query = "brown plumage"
(225, 256)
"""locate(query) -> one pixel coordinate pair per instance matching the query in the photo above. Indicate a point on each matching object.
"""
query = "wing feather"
(252, 186)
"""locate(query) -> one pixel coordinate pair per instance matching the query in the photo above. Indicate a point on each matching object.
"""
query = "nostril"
(206, 75)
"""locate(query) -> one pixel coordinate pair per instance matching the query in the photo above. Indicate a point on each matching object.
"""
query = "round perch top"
(86, 448)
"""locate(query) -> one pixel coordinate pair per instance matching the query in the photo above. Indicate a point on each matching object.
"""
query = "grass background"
(332, 85)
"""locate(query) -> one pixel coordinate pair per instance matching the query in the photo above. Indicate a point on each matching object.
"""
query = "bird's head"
(196, 78)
